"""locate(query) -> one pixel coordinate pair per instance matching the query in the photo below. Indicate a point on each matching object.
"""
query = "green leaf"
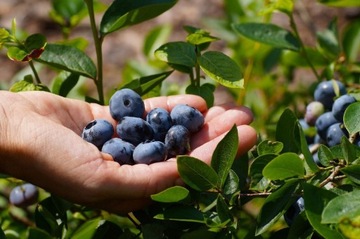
(275, 206)
(285, 6)
(310, 164)
(292, 58)
(68, 58)
(179, 53)
(145, 84)
(4, 36)
(345, 206)
(222, 69)
(231, 185)
(325, 155)
(206, 91)
(222, 209)
(285, 131)
(258, 182)
(269, 147)
(284, 166)
(270, 34)
(155, 38)
(341, 3)
(351, 118)
(224, 155)
(35, 233)
(315, 200)
(123, 13)
(182, 214)
(197, 174)
(68, 8)
(349, 150)
(328, 41)
(64, 83)
(199, 36)
(351, 41)
(352, 172)
(27, 84)
(32, 48)
(171, 195)
(87, 229)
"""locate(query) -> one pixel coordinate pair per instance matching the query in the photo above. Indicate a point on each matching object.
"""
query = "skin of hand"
(41, 144)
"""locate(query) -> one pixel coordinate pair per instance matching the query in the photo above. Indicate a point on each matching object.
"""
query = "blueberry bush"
(301, 180)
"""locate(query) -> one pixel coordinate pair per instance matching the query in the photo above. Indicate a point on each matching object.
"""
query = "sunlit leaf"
(171, 195)
(342, 207)
(222, 69)
(352, 118)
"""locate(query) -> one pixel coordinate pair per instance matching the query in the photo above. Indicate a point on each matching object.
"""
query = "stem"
(37, 78)
(98, 48)
(331, 177)
(303, 50)
(197, 67)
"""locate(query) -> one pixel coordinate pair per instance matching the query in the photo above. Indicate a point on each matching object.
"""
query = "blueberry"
(187, 116)
(150, 152)
(323, 123)
(126, 102)
(160, 121)
(313, 110)
(325, 92)
(98, 132)
(24, 195)
(294, 210)
(177, 140)
(120, 150)
(340, 105)
(334, 134)
(134, 130)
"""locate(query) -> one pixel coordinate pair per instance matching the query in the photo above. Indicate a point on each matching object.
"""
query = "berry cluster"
(326, 112)
(143, 138)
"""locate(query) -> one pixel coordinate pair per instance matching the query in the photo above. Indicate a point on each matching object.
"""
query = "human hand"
(41, 143)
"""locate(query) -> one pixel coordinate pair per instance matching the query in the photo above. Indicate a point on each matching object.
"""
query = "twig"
(331, 177)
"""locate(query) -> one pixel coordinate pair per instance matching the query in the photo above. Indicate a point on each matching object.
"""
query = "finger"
(247, 139)
(221, 123)
(168, 102)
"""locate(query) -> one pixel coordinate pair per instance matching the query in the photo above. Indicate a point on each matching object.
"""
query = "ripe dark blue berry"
(126, 102)
(323, 123)
(187, 116)
(325, 92)
(98, 132)
(294, 210)
(24, 195)
(134, 130)
(334, 134)
(120, 150)
(177, 140)
(340, 105)
(150, 152)
(160, 121)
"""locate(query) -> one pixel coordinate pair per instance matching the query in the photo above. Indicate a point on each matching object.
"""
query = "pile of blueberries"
(326, 112)
(143, 138)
